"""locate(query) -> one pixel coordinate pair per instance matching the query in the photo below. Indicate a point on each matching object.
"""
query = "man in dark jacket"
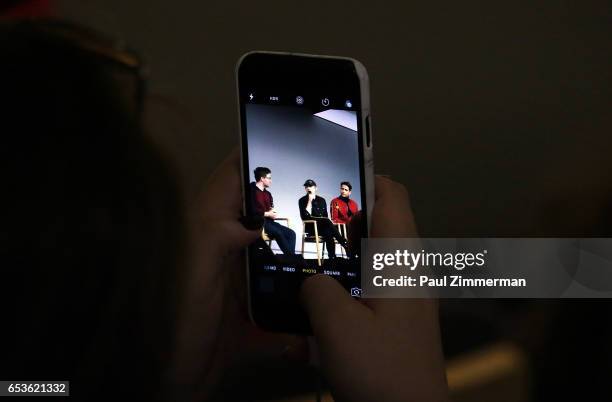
(313, 207)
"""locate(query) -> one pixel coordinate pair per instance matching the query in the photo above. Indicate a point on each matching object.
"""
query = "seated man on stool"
(342, 208)
(313, 207)
(263, 205)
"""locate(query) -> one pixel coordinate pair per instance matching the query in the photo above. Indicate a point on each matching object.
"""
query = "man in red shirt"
(342, 208)
(262, 204)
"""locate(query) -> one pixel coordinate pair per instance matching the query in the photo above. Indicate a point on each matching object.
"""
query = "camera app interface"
(303, 163)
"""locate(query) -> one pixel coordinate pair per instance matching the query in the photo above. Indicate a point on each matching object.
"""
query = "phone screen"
(301, 121)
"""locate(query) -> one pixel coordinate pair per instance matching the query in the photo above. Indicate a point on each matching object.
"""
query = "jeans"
(328, 232)
(285, 237)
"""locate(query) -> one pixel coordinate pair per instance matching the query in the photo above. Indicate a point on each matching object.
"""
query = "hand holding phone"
(392, 346)
(296, 112)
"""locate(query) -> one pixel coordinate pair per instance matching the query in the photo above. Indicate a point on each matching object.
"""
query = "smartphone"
(305, 129)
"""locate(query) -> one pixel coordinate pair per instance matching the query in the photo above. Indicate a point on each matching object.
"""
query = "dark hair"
(92, 228)
(260, 172)
(346, 183)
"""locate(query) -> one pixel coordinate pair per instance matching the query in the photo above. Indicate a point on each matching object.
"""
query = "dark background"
(496, 116)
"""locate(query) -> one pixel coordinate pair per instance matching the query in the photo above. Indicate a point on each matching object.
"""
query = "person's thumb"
(228, 235)
(332, 312)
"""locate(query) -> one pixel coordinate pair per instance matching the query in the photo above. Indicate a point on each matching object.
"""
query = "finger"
(354, 230)
(222, 193)
(236, 283)
(392, 215)
(332, 312)
(222, 237)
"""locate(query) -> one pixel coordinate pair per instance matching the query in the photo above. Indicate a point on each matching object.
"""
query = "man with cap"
(314, 207)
